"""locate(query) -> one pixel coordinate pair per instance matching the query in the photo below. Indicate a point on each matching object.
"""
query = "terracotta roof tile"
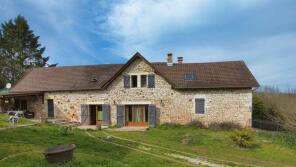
(66, 78)
(232, 74)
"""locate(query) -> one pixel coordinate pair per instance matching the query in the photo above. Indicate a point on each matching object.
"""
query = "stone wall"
(35, 104)
(173, 106)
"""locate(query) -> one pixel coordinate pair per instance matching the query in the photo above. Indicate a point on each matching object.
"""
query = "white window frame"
(139, 79)
(199, 97)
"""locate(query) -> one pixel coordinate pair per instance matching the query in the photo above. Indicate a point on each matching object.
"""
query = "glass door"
(99, 113)
(136, 115)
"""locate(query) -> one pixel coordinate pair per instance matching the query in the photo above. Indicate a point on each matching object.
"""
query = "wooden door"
(50, 108)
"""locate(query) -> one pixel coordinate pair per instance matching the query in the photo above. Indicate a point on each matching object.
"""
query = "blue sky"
(260, 32)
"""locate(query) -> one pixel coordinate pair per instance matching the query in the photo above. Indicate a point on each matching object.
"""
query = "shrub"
(187, 139)
(281, 108)
(224, 125)
(260, 110)
(169, 125)
(243, 138)
(196, 124)
(66, 130)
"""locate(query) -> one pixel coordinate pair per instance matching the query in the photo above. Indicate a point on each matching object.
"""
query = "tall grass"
(279, 107)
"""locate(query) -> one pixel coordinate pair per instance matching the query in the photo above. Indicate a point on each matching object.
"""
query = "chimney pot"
(180, 60)
(170, 59)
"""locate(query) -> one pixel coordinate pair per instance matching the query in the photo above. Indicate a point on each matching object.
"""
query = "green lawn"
(271, 149)
(25, 146)
(31, 142)
(5, 123)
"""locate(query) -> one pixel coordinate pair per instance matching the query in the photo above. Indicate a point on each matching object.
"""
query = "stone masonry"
(173, 106)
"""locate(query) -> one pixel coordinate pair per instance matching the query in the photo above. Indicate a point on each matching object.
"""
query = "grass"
(30, 142)
(5, 123)
(24, 147)
(271, 149)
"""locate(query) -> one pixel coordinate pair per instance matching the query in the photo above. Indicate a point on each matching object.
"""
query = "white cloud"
(157, 27)
(135, 24)
(138, 25)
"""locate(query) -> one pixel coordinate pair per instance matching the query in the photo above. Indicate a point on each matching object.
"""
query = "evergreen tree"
(19, 50)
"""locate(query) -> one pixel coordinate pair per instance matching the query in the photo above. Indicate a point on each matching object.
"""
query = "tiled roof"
(232, 74)
(66, 78)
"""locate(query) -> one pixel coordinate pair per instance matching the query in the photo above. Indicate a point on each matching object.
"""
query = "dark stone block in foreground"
(59, 153)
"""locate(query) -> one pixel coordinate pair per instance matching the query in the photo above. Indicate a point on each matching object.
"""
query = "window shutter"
(126, 81)
(120, 115)
(200, 106)
(143, 80)
(152, 115)
(106, 114)
(151, 81)
(84, 114)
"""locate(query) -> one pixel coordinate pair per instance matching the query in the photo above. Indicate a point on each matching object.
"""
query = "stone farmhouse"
(139, 93)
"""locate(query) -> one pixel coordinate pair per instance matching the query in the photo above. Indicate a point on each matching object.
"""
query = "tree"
(19, 50)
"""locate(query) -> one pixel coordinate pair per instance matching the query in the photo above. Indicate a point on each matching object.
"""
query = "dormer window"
(93, 78)
(188, 76)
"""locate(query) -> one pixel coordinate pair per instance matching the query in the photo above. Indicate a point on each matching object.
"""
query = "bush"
(169, 125)
(243, 138)
(196, 124)
(224, 125)
(66, 130)
(187, 139)
(260, 110)
(280, 108)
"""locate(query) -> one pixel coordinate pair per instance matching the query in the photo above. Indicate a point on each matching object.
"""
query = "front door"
(96, 114)
(50, 108)
(136, 115)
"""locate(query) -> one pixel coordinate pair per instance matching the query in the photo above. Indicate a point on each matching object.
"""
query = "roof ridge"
(92, 65)
(214, 62)
(89, 65)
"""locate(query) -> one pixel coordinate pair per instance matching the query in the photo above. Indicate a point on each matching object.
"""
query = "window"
(20, 105)
(143, 80)
(199, 105)
(188, 76)
(134, 81)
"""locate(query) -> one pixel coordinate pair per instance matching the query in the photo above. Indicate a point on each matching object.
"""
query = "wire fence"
(267, 125)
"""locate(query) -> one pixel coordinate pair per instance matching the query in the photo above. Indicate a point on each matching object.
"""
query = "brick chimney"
(180, 60)
(170, 59)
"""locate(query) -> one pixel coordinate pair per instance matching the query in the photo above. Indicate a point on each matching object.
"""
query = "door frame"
(97, 108)
(134, 109)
